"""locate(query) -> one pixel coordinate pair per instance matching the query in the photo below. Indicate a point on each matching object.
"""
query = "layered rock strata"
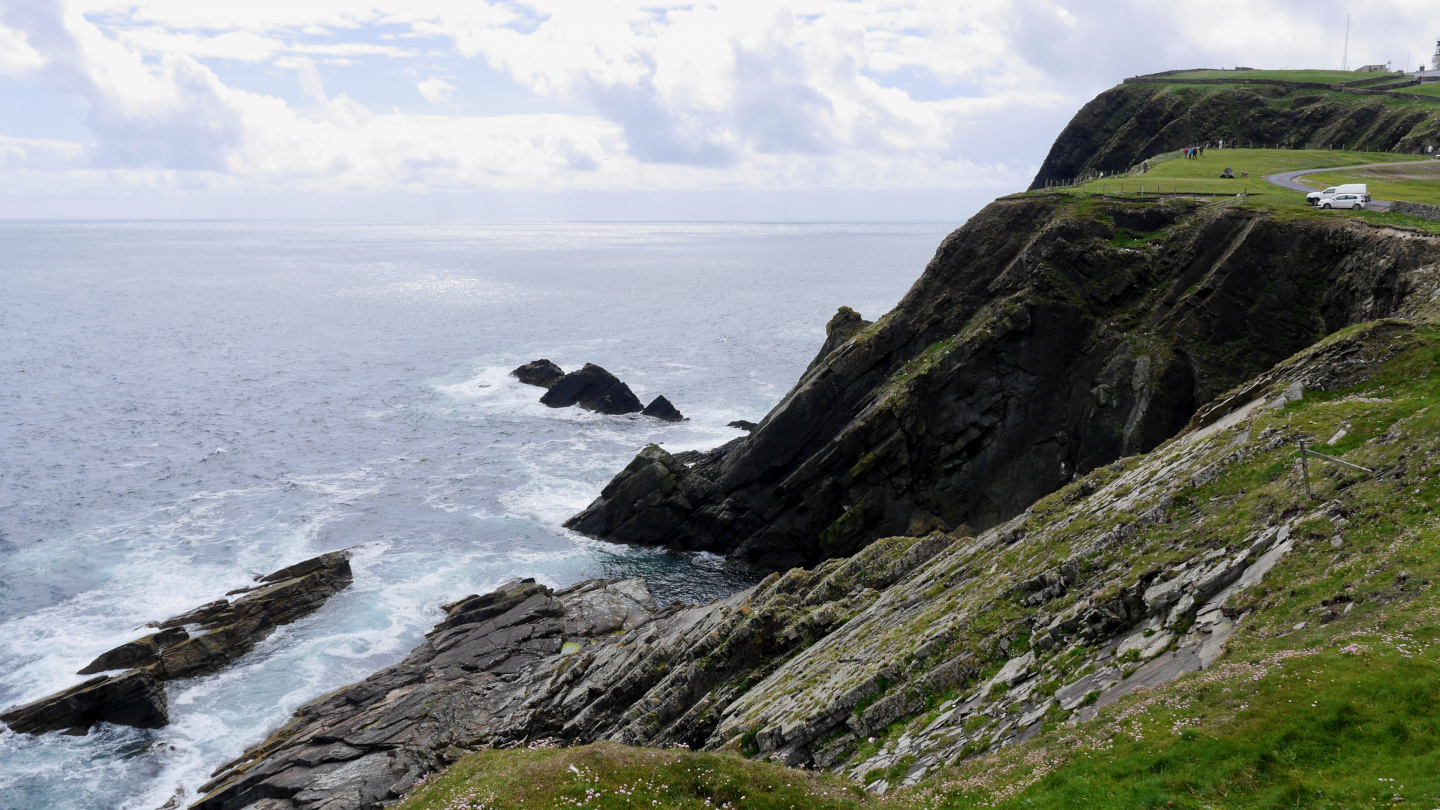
(195, 643)
(1102, 589)
(1045, 339)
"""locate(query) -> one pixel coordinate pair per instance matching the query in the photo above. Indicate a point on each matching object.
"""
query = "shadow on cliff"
(1047, 337)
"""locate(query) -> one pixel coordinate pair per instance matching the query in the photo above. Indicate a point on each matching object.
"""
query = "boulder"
(742, 425)
(594, 389)
(660, 408)
(538, 372)
(133, 699)
(194, 643)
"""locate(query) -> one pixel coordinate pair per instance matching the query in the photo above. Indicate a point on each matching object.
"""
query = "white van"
(1317, 197)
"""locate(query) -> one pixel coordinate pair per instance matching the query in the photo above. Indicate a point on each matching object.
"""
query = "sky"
(813, 110)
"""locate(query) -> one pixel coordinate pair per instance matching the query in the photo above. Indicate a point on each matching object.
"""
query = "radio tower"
(1345, 56)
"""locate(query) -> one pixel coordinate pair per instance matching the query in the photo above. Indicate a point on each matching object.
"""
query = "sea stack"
(660, 408)
(594, 389)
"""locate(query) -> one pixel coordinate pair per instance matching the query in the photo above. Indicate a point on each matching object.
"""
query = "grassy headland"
(1328, 695)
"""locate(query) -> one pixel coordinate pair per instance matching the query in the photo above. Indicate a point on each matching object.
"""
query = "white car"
(1345, 201)
(1317, 197)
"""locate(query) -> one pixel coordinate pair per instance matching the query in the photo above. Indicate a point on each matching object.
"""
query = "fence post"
(1305, 471)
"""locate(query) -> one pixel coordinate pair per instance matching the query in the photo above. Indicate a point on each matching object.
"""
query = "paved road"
(1288, 180)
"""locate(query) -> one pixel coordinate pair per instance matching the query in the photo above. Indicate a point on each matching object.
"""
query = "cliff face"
(1045, 339)
(1127, 124)
(920, 652)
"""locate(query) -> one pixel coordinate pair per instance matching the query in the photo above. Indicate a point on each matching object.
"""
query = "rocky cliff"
(1047, 338)
(1138, 120)
(919, 653)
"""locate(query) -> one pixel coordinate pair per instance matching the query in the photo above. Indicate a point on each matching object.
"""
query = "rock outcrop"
(594, 661)
(660, 408)
(594, 389)
(195, 643)
(742, 424)
(135, 698)
(1129, 577)
(1044, 340)
(542, 373)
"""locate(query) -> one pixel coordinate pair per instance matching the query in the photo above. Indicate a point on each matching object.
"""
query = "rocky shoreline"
(810, 666)
(199, 642)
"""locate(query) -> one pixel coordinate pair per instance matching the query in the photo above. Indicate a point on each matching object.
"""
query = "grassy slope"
(1420, 183)
(1321, 76)
(1203, 174)
(1342, 713)
(1324, 716)
(607, 775)
(1429, 89)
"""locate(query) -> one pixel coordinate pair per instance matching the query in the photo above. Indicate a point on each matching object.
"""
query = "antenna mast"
(1345, 58)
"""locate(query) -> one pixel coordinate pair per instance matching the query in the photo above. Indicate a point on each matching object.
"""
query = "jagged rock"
(542, 373)
(742, 424)
(804, 666)
(597, 660)
(594, 389)
(977, 394)
(650, 497)
(194, 643)
(844, 324)
(660, 408)
(138, 653)
(133, 699)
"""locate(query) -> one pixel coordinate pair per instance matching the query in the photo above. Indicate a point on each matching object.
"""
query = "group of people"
(1194, 152)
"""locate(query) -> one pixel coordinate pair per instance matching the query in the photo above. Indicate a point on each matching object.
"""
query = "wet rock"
(742, 424)
(651, 496)
(133, 699)
(594, 389)
(542, 373)
(194, 643)
(660, 408)
(138, 653)
(598, 660)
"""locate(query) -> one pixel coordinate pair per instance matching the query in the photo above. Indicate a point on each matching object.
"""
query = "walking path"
(1288, 180)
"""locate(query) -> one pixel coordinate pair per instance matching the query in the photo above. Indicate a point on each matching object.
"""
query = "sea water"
(185, 405)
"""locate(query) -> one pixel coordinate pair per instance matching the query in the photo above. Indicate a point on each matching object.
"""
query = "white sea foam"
(357, 380)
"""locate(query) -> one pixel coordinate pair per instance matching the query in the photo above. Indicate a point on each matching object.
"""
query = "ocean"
(184, 405)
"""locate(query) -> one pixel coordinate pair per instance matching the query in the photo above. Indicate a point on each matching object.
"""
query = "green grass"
(1329, 730)
(609, 775)
(1320, 76)
(1430, 89)
(1344, 713)
(1419, 183)
(1202, 175)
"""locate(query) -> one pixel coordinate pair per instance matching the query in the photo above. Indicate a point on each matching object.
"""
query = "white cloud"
(435, 89)
(869, 94)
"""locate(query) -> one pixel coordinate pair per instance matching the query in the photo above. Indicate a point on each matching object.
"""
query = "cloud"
(435, 89)
(630, 94)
